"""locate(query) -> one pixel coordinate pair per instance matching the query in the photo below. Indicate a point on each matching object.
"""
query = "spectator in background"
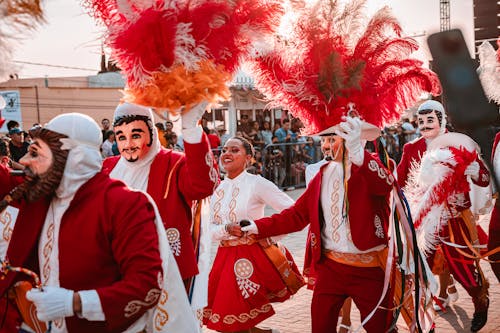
(244, 126)
(161, 134)
(213, 138)
(4, 153)
(409, 131)
(283, 134)
(105, 127)
(17, 146)
(107, 145)
(255, 137)
(266, 133)
(221, 130)
(12, 124)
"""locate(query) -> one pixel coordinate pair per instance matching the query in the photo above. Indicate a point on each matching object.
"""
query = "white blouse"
(243, 197)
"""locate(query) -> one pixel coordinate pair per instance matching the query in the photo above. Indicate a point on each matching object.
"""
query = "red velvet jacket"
(175, 181)
(412, 153)
(368, 193)
(107, 241)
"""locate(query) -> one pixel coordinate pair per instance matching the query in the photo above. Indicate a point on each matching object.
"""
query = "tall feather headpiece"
(177, 53)
(334, 57)
(489, 70)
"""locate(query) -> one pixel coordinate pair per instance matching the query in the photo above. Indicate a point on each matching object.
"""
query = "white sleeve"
(218, 232)
(91, 305)
(192, 135)
(271, 195)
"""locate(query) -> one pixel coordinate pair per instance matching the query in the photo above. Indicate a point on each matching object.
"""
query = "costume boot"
(481, 304)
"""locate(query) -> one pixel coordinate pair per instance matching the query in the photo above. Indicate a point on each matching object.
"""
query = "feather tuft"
(334, 57)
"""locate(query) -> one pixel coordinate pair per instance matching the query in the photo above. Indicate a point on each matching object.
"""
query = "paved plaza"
(293, 316)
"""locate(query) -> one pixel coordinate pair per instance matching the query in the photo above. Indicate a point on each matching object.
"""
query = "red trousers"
(336, 282)
(463, 269)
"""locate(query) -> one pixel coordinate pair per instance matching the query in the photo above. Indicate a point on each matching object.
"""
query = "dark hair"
(108, 134)
(127, 119)
(246, 144)
(286, 120)
(11, 124)
(4, 148)
(439, 115)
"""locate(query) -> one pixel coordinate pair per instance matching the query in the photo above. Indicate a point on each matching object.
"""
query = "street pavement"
(293, 316)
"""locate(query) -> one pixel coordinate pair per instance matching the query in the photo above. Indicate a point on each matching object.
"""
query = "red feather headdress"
(333, 57)
(176, 53)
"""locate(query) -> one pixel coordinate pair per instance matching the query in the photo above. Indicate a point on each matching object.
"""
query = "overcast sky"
(70, 37)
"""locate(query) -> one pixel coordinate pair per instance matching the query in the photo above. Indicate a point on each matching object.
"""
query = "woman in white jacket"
(243, 281)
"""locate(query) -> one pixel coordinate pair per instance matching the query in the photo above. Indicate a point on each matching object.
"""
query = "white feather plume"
(489, 71)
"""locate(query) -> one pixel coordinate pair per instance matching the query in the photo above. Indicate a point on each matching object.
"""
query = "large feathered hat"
(335, 59)
(177, 53)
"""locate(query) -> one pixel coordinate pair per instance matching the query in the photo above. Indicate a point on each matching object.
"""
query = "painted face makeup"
(428, 125)
(234, 157)
(332, 148)
(133, 140)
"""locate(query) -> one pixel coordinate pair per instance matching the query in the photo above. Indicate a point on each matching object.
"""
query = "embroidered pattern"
(243, 269)
(232, 205)
(381, 172)
(219, 194)
(335, 211)
(133, 307)
(212, 172)
(363, 258)
(47, 250)
(174, 239)
(6, 219)
(485, 177)
(313, 239)
(161, 315)
(379, 230)
(244, 317)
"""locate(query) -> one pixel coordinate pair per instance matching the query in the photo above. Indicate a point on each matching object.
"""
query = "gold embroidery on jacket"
(161, 316)
(135, 306)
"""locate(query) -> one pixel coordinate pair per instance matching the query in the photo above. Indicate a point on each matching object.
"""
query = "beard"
(44, 185)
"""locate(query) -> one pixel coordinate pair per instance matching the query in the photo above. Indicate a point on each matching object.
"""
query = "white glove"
(473, 170)
(191, 117)
(251, 229)
(52, 303)
(350, 131)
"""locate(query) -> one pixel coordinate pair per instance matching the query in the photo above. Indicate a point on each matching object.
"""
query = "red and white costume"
(174, 180)
(364, 231)
(124, 265)
(412, 154)
(243, 281)
(434, 220)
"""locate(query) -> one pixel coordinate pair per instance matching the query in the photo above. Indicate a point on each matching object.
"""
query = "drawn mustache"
(426, 128)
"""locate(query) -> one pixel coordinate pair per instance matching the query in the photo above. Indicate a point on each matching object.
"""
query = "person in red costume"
(431, 119)
(174, 180)
(345, 243)
(95, 244)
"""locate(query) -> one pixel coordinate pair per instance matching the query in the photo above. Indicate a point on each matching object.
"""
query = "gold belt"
(368, 259)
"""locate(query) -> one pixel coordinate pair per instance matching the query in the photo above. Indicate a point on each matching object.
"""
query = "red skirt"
(242, 284)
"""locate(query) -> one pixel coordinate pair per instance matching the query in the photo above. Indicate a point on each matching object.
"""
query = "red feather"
(454, 183)
(332, 59)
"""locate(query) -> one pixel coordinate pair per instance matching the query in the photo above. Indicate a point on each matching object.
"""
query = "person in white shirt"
(243, 280)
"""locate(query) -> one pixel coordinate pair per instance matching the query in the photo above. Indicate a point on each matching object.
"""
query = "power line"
(56, 66)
